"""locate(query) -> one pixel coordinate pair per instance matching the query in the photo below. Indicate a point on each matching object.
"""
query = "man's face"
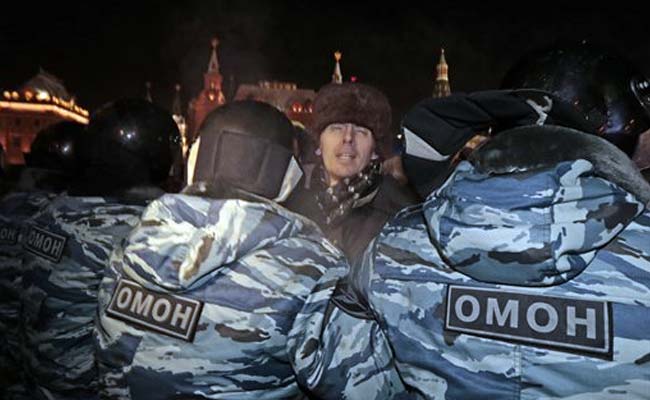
(347, 149)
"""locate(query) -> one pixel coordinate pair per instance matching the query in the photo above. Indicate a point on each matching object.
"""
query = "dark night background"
(108, 50)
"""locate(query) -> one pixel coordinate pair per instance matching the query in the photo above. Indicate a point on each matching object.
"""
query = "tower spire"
(210, 97)
(147, 95)
(213, 66)
(177, 115)
(337, 77)
(441, 87)
(176, 105)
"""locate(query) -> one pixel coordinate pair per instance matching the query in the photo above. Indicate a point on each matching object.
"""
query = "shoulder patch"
(8, 234)
(564, 324)
(170, 315)
(44, 243)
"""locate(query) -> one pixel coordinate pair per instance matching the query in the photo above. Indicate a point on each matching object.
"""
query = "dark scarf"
(337, 201)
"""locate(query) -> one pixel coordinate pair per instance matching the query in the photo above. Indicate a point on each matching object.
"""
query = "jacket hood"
(183, 240)
(531, 228)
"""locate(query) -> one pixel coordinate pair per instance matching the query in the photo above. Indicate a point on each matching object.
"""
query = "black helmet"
(612, 95)
(248, 145)
(646, 174)
(55, 147)
(129, 142)
(305, 147)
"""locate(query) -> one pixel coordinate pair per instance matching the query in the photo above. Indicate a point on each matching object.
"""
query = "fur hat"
(355, 103)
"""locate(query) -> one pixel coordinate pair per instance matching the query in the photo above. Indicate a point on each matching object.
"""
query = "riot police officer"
(125, 156)
(50, 169)
(610, 93)
(201, 295)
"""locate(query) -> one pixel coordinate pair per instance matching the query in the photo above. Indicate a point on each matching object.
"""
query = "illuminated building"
(210, 97)
(39, 103)
(296, 103)
(441, 87)
(285, 96)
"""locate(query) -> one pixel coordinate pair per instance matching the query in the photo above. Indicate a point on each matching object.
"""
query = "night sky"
(108, 50)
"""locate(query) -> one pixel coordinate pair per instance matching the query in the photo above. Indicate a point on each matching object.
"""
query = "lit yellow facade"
(24, 114)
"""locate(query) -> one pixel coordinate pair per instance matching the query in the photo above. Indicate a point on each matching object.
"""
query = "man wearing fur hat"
(347, 195)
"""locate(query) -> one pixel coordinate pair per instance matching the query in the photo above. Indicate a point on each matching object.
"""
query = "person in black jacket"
(347, 194)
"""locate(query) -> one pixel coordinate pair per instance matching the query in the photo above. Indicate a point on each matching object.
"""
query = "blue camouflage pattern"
(337, 355)
(15, 209)
(560, 232)
(60, 297)
(251, 263)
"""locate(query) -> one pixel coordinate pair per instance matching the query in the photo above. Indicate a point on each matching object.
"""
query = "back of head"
(611, 94)
(247, 145)
(130, 142)
(55, 148)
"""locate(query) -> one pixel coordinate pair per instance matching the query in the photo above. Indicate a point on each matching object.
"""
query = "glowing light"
(43, 108)
(7, 95)
(28, 95)
(128, 135)
(42, 95)
(14, 95)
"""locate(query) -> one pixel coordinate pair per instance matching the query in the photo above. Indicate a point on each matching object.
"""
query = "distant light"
(7, 95)
(40, 108)
(42, 95)
(353, 79)
(128, 135)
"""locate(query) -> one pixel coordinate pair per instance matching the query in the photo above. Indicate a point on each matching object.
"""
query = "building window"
(296, 107)
(15, 142)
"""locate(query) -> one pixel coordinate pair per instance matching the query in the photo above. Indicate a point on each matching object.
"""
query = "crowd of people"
(277, 264)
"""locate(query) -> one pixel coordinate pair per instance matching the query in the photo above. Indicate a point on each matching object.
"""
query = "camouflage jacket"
(67, 247)
(529, 285)
(200, 298)
(15, 209)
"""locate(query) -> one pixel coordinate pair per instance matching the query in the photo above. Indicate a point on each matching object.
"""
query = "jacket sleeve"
(338, 349)
(434, 130)
(446, 124)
